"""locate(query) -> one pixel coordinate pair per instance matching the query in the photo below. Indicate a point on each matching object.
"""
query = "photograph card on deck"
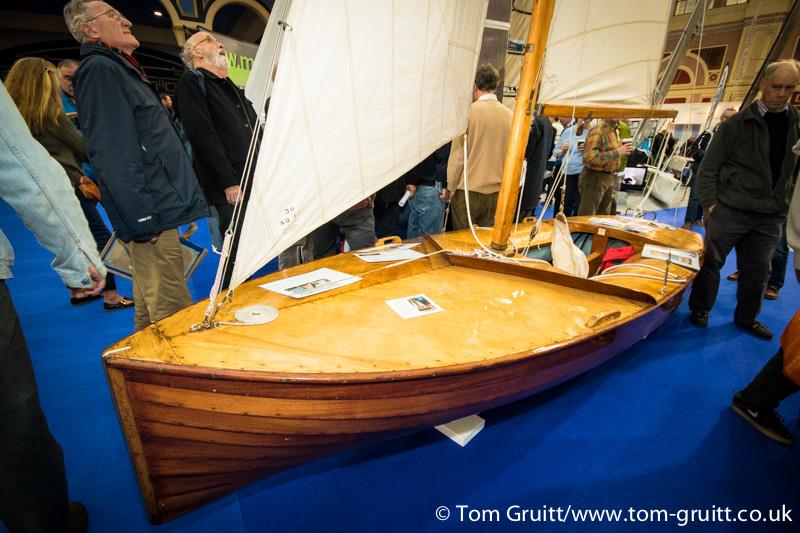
(315, 282)
(414, 306)
(389, 252)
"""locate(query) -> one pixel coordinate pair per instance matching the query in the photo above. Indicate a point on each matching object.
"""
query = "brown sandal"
(123, 303)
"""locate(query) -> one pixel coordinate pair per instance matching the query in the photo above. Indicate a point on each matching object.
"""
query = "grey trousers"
(754, 236)
(358, 227)
(299, 253)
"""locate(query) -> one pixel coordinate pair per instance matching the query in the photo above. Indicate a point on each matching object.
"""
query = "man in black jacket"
(745, 183)
(146, 178)
(219, 123)
(540, 145)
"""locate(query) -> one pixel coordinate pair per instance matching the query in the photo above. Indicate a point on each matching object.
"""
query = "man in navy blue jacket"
(144, 174)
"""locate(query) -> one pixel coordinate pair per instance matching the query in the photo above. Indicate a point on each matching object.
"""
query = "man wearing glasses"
(219, 122)
(147, 181)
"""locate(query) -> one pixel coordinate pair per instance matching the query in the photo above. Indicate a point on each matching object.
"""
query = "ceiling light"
(158, 13)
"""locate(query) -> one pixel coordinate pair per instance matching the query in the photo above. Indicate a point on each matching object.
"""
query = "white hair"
(186, 54)
(75, 13)
(770, 69)
(220, 61)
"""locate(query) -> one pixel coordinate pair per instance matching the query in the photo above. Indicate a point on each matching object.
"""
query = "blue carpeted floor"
(650, 430)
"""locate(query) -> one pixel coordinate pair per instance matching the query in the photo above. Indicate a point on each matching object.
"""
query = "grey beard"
(219, 61)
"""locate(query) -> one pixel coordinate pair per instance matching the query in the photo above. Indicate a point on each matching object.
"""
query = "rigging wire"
(491, 253)
(747, 43)
(684, 135)
(669, 126)
(213, 307)
(560, 179)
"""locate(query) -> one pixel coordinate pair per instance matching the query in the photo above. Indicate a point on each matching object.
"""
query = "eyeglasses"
(204, 39)
(113, 13)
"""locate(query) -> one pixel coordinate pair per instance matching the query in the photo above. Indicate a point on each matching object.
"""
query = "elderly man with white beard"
(219, 123)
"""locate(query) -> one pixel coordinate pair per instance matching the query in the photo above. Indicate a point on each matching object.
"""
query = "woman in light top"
(33, 85)
(570, 147)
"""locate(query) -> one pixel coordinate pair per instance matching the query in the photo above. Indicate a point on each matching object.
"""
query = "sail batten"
(363, 92)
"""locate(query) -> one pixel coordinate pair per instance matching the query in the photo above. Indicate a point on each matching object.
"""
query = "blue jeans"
(213, 228)
(779, 259)
(694, 212)
(426, 213)
(99, 231)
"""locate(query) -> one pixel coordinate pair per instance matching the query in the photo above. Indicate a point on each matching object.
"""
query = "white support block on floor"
(462, 430)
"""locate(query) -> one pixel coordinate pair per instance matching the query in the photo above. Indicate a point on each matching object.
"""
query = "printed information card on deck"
(389, 252)
(684, 258)
(320, 280)
(413, 306)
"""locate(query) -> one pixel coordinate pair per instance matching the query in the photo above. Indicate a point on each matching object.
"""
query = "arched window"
(682, 78)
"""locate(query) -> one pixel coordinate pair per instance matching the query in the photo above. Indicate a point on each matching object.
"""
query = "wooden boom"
(564, 110)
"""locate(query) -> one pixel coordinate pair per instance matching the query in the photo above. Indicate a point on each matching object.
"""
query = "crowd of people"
(95, 131)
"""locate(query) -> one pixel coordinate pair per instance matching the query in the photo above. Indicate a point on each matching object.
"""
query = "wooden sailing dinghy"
(205, 412)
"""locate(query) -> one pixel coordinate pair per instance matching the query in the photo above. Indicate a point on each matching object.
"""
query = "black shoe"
(84, 299)
(757, 329)
(768, 422)
(78, 518)
(699, 318)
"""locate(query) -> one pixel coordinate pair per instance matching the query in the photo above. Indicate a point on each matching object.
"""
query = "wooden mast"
(521, 124)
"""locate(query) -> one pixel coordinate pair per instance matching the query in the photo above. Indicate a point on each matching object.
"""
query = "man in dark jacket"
(541, 140)
(745, 183)
(145, 176)
(219, 123)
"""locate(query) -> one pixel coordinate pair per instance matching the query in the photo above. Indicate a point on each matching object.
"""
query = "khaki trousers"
(158, 284)
(481, 208)
(597, 192)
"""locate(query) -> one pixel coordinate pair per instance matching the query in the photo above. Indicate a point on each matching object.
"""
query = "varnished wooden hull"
(202, 435)
(199, 432)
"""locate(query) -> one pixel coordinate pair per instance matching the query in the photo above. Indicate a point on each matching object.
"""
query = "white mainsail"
(604, 52)
(259, 83)
(364, 90)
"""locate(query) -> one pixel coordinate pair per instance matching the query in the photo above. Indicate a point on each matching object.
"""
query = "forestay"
(604, 52)
(364, 90)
